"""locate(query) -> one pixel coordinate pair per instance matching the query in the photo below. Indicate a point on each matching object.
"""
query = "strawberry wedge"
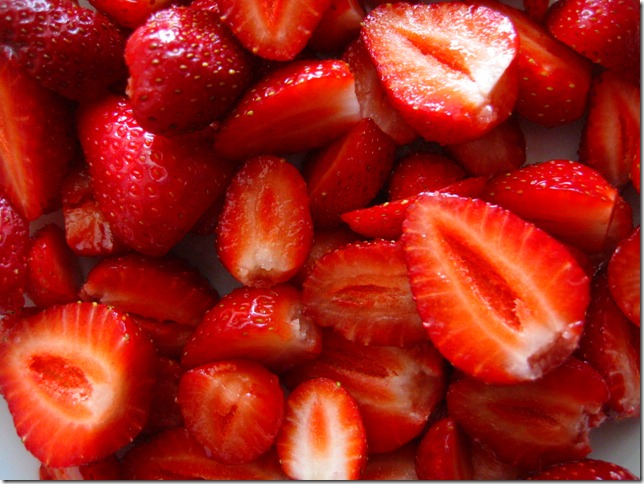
(501, 300)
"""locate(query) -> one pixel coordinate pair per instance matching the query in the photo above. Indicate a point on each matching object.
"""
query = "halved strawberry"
(395, 465)
(322, 436)
(532, 424)
(624, 275)
(261, 324)
(129, 13)
(296, 107)
(14, 250)
(273, 31)
(584, 470)
(234, 408)
(265, 229)
(106, 469)
(339, 25)
(53, 271)
(443, 452)
(420, 172)
(448, 68)
(348, 173)
(569, 200)
(501, 299)
(362, 291)
(164, 288)
(78, 379)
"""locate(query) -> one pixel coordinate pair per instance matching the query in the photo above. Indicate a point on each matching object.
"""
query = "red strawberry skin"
(584, 470)
(624, 275)
(443, 452)
(14, 249)
(129, 13)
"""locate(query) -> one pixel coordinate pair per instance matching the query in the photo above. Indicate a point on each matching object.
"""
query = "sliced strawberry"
(382, 221)
(233, 407)
(339, 25)
(372, 97)
(605, 31)
(165, 413)
(448, 68)
(322, 437)
(532, 424)
(164, 288)
(443, 453)
(169, 337)
(129, 13)
(152, 189)
(569, 200)
(584, 470)
(72, 50)
(610, 140)
(106, 469)
(261, 324)
(299, 106)
(421, 172)
(176, 455)
(53, 271)
(273, 31)
(78, 380)
(362, 291)
(501, 300)
(397, 389)
(14, 250)
(396, 465)
(32, 167)
(265, 229)
(611, 344)
(624, 275)
(186, 70)
(349, 173)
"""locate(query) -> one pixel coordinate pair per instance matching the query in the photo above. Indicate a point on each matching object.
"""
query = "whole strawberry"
(186, 70)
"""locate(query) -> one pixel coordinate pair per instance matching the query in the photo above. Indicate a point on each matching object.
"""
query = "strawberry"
(537, 10)
(584, 470)
(266, 325)
(610, 140)
(396, 465)
(322, 437)
(71, 49)
(532, 424)
(338, 26)
(129, 13)
(569, 200)
(448, 68)
(107, 469)
(152, 189)
(169, 337)
(443, 453)
(14, 250)
(553, 79)
(372, 97)
(265, 229)
(605, 31)
(486, 466)
(348, 173)
(176, 455)
(32, 167)
(501, 299)
(624, 275)
(362, 291)
(164, 288)
(186, 70)
(397, 389)
(165, 413)
(381, 221)
(635, 173)
(296, 107)
(233, 407)
(53, 271)
(276, 32)
(78, 369)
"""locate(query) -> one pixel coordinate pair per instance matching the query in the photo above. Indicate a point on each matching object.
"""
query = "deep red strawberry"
(533, 424)
(584, 470)
(37, 140)
(165, 413)
(501, 300)
(322, 437)
(624, 275)
(265, 229)
(186, 70)
(72, 50)
(569, 200)
(273, 31)
(53, 271)
(14, 250)
(152, 189)
(296, 107)
(164, 288)
(107, 469)
(234, 408)
(338, 26)
(169, 337)
(261, 324)
(448, 68)
(83, 370)
(348, 173)
(605, 31)
(129, 13)
(443, 453)
(537, 10)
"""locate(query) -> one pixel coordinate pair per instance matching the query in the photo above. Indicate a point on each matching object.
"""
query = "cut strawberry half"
(624, 276)
(500, 299)
(322, 437)
(77, 379)
(382, 221)
(448, 68)
(339, 25)
(443, 453)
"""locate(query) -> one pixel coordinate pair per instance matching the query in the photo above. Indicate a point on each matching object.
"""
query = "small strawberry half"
(624, 276)
(584, 470)
(448, 68)
(501, 299)
(14, 251)
(77, 378)
(322, 436)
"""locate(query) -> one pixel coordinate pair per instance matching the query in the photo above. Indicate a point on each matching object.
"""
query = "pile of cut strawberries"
(410, 297)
